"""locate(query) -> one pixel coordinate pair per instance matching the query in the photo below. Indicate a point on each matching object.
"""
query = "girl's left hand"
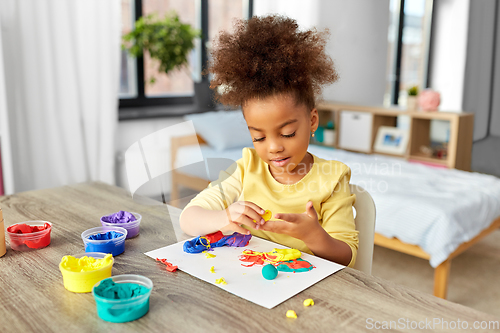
(299, 226)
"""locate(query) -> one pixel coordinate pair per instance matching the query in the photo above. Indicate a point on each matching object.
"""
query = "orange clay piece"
(170, 267)
(298, 264)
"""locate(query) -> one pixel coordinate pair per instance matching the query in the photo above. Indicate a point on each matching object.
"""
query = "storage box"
(356, 131)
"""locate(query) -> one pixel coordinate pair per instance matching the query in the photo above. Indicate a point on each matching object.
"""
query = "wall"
(448, 52)
(495, 112)
(478, 73)
(358, 42)
(6, 160)
(359, 48)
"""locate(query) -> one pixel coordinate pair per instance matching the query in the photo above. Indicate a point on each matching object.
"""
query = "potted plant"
(411, 102)
(168, 40)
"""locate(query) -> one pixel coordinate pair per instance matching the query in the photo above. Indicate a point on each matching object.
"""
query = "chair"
(365, 224)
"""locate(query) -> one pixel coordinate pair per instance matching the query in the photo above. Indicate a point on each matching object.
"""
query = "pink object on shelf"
(428, 100)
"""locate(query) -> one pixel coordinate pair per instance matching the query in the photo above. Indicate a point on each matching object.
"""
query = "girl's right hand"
(243, 213)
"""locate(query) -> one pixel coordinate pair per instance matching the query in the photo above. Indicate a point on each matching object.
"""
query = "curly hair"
(267, 56)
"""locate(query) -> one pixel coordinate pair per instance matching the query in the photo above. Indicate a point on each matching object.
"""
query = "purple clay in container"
(124, 219)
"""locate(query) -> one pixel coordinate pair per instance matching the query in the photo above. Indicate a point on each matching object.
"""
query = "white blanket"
(436, 209)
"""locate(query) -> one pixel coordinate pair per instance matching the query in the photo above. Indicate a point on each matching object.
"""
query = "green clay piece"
(269, 272)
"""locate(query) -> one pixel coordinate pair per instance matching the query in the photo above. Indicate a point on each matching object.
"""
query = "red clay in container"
(25, 237)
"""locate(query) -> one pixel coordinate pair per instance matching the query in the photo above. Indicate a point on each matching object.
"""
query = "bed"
(430, 213)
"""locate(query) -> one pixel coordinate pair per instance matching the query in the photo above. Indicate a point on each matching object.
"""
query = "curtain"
(61, 60)
(6, 177)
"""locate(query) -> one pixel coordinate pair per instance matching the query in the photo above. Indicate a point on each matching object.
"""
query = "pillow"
(222, 129)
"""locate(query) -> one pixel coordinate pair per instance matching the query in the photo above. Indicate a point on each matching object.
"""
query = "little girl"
(274, 71)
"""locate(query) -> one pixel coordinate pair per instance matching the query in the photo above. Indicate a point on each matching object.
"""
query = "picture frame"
(391, 140)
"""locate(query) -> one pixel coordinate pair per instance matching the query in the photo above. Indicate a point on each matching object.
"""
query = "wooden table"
(30, 282)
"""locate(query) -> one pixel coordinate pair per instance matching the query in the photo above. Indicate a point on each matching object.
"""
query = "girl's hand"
(243, 213)
(300, 226)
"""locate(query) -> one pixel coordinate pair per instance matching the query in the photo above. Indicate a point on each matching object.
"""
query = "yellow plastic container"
(83, 281)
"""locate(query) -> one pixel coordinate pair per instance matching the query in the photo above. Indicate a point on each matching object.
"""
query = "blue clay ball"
(269, 272)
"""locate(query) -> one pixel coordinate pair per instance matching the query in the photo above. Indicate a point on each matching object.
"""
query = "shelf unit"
(460, 136)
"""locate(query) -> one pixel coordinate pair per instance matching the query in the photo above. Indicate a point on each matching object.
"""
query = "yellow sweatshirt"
(326, 185)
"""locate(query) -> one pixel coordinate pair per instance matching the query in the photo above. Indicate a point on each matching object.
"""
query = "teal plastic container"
(124, 309)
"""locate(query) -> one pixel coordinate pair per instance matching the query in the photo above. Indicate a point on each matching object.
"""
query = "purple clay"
(125, 220)
(120, 217)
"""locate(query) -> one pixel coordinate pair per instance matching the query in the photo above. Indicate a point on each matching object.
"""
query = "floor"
(473, 279)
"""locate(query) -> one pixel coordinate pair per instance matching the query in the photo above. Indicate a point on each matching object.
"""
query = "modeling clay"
(212, 270)
(125, 220)
(105, 235)
(85, 264)
(309, 302)
(253, 257)
(110, 290)
(26, 229)
(209, 255)
(275, 256)
(120, 217)
(25, 241)
(291, 314)
(296, 266)
(170, 267)
(269, 272)
(267, 215)
(113, 245)
(236, 240)
(221, 281)
(214, 237)
(208, 242)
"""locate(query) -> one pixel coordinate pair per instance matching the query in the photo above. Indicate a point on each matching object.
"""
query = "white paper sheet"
(247, 282)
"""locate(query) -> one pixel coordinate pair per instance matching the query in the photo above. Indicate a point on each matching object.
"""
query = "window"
(409, 48)
(177, 88)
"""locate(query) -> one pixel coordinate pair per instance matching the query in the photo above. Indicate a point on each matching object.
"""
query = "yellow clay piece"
(286, 254)
(267, 215)
(209, 255)
(212, 270)
(221, 281)
(85, 264)
(309, 302)
(291, 314)
(207, 242)
(275, 256)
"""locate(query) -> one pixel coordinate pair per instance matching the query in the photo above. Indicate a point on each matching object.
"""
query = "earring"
(313, 134)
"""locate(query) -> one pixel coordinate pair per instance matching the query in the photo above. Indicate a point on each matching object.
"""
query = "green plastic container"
(124, 310)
